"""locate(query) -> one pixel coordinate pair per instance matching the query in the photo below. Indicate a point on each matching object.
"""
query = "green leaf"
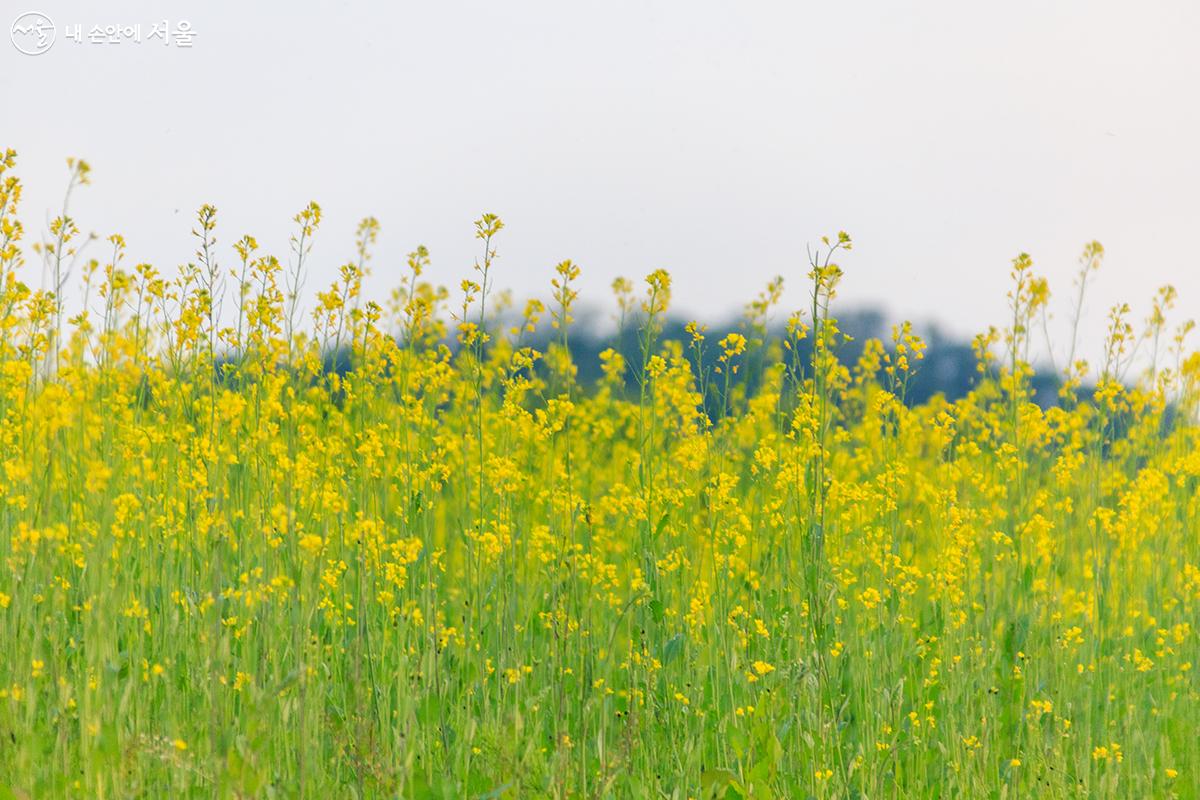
(672, 649)
(429, 711)
(715, 784)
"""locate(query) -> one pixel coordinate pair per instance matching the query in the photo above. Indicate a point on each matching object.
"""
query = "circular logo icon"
(32, 33)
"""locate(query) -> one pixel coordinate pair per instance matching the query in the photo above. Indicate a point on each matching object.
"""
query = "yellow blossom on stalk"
(311, 543)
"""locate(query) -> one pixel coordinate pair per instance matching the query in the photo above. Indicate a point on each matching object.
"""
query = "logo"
(32, 33)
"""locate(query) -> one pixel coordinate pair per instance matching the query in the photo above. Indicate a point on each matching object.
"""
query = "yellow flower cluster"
(400, 549)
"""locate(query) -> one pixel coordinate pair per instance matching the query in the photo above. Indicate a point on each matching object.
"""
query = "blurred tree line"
(949, 366)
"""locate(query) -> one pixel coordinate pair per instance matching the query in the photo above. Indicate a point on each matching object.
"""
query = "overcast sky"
(712, 139)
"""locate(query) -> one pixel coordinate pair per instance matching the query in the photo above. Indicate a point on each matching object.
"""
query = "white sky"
(713, 139)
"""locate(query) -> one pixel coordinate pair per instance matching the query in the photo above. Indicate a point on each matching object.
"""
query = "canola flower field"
(447, 569)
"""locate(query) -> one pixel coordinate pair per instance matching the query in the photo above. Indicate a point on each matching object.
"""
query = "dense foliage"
(448, 569)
